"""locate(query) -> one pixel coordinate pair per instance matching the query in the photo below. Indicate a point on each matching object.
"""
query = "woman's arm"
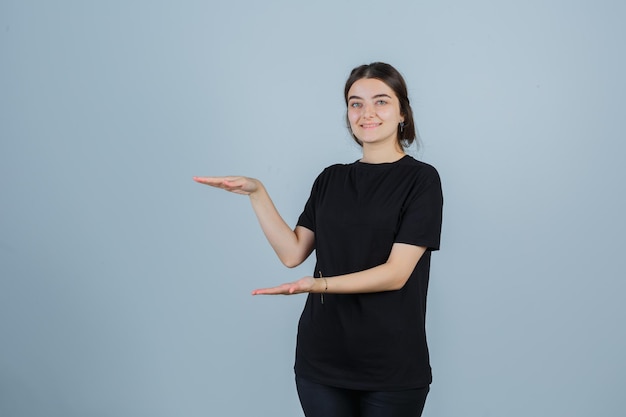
(291, 246)
(392, 275)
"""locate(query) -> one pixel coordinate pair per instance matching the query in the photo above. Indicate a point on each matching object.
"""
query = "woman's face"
(373, 112)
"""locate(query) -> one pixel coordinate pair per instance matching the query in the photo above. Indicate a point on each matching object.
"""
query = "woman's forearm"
(291, 246)
(392, 275)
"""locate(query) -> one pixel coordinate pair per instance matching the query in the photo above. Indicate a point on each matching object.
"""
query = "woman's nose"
(368, 110)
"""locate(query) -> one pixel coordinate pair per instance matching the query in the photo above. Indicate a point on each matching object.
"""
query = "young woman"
(361, 348)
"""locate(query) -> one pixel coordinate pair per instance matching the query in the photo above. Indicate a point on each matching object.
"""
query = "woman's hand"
(238, 185)
(306, 284)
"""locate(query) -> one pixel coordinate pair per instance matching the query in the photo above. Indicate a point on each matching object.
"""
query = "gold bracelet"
(325, 289)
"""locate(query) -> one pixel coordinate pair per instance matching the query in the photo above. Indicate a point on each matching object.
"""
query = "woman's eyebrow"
(376, 96)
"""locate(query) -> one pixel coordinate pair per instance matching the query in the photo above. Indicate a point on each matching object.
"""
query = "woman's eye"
(355, 105)
(381, 102)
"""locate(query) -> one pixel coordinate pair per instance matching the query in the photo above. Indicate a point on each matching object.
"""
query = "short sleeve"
(307, 218)
(420, 222)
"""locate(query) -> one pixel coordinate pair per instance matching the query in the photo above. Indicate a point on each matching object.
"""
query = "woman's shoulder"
(330, 172)
(414, 167)
(411, 161)
(337, 168)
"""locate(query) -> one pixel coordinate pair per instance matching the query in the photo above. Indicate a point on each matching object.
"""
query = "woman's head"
(406, 132)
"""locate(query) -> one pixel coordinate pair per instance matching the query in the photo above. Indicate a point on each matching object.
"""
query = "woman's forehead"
(369, 87)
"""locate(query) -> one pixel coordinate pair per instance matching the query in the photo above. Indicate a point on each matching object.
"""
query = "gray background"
(125, 287)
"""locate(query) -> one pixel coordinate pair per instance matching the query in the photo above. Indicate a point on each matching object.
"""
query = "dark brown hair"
(390, 76)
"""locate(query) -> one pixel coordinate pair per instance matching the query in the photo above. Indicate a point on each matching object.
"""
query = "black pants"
(323, 401)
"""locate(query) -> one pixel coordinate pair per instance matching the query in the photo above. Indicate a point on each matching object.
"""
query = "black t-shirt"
(372, 341)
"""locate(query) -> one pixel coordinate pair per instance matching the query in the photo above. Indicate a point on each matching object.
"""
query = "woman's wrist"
(320, 286)
(259, 189)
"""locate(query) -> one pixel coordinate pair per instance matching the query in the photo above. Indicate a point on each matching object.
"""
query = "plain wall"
(125, 286)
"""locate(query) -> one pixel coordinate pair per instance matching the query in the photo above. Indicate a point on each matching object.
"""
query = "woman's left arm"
(392, 275)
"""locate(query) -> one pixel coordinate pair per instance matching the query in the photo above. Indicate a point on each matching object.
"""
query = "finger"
(214, 181)
(233, 184)
(281, 289)
(269, 291)
(265, 291)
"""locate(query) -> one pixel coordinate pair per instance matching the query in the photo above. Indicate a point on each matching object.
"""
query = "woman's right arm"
(291, 246)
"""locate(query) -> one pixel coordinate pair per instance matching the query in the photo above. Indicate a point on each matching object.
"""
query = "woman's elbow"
(291, 261)
(398, 279)
(295, 257)
(398, 283)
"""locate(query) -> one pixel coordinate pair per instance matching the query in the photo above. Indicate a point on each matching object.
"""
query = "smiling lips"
(370, 125)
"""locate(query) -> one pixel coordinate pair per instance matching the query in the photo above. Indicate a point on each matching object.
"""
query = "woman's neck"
(381, 155)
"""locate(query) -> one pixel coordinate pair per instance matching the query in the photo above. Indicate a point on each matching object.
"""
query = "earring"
(401, 127)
